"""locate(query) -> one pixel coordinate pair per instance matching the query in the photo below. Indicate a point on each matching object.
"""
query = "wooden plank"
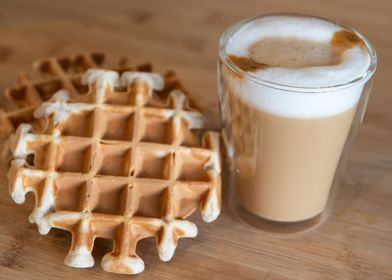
(356, 243)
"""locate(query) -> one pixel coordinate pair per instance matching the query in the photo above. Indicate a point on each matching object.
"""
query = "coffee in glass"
(292, 91)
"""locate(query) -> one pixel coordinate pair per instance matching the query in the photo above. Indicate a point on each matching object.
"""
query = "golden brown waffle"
(118, 163)
(57, 73)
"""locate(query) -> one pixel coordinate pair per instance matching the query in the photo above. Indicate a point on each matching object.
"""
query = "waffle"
(57, 73)
(117, 163)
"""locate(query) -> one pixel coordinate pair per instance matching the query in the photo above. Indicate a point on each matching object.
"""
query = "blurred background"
(177, 35)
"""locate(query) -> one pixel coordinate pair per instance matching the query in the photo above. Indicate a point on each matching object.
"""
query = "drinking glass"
(284, 168)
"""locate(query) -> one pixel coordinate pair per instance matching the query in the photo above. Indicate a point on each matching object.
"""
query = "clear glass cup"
(284, 170)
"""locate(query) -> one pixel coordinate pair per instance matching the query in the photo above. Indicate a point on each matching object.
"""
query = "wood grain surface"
(356, 243)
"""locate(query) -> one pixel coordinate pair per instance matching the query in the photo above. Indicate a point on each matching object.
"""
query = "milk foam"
(317, 102)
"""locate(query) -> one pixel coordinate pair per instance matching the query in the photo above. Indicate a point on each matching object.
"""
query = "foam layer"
(354, 62)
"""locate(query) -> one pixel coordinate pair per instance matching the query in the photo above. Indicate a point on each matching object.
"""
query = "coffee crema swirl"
(293, 52)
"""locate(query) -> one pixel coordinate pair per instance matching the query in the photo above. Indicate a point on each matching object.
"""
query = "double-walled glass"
(284, 168)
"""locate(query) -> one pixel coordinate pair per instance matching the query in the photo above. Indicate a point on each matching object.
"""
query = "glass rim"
(229, 31)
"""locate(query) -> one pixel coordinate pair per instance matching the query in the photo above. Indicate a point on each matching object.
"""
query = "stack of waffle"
(118, 162)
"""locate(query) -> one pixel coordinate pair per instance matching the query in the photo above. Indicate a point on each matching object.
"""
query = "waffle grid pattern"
(103, 169)
(54, 73)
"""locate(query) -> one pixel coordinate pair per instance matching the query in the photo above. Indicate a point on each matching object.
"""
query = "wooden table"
(356, 243)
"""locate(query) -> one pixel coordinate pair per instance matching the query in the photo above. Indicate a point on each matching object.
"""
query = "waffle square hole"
(118, 125)
(37, 159)
(150, 199)
(191, 138)
(18, 95)
(79, 124)
(192, 166)
(80, 88)
(155, 129)
(110, 196)
(153, 164)
(73, 156)
(21, 118)
(115, 160)
(189, 197)
(48, 89)
(65, 63)
(68, 191)
(81, 64)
